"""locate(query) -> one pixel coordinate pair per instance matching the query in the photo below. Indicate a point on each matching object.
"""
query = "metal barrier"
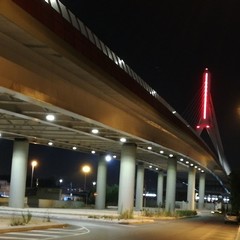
(80, 26)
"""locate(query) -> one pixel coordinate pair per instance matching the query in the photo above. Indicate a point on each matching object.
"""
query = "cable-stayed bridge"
(51, 63)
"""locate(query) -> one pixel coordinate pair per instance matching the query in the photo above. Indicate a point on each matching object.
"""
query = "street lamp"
(34, 164)
(86, 169)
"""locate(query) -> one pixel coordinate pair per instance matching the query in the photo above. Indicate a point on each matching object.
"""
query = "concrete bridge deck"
(49, 67)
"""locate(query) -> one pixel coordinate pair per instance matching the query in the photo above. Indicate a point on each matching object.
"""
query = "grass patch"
(163, 213)
(106, 217)
(94, 216)
(23, 220)
(186, 213)
(128, 214)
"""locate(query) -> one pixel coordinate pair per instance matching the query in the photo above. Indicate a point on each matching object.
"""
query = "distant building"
(4, 188)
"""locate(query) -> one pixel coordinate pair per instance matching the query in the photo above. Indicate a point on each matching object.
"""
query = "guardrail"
(80, 26)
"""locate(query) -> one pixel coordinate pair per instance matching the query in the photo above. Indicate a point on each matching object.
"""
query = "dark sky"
(55, 163)
(169, 43)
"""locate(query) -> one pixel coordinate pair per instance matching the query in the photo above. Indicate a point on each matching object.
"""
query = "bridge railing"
(80, 26)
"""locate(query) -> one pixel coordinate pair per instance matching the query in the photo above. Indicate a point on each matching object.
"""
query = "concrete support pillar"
(160, 189)
(101, 183)
(171, 185)
(18, 173)
(191, 188)
(139, 187)
(201, 190)
(127, 178)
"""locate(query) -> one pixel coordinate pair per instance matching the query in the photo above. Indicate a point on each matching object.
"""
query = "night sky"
(168, 43)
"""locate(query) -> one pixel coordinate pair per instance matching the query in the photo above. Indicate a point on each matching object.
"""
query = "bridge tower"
(208, 120)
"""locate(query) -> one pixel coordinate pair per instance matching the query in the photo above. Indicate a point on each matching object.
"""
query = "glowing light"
(95, 131)
(86, 169)
(206, 77)
(50, 143)
(149, 148)
(34, 163)
(162, 152)
(93, 152)
(74, 148)
(149, 194)
(153, 92)
(123, 140)
(108, 158)
(150, 166)
(50, 117)
(181, 159)
(170, 155)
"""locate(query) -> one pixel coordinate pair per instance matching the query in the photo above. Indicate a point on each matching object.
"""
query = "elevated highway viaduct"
(50, 63)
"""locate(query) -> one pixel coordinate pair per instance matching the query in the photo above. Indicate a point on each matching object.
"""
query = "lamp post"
(86, 169)
(34, 164)
(60, 181)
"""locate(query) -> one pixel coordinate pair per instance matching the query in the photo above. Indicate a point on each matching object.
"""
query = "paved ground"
(43, 218)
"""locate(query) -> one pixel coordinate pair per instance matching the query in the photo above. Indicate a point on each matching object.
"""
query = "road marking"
(17, 238)
(30, 234)
(75, 234)
(47, 234)
(66, 230)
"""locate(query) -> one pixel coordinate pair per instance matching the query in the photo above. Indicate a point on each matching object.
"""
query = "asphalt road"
(205, 227)
(208, 227)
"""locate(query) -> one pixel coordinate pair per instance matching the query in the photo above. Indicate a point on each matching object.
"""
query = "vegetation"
(94, 216)
(47, 218)
(185, 213)
(128, 214)
(24, 219)
(161, 213)
(101, 217)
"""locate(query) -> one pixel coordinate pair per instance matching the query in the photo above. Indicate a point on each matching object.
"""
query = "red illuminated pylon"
(208, 121)
(205, 118)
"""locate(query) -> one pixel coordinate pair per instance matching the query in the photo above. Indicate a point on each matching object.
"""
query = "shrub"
(26, 218)
(186, 213)
(128, 214)
(161, 213)
(148, 213)
(47, 218)
(17, 221)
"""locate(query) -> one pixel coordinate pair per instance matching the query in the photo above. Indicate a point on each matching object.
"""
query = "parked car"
(231, 217)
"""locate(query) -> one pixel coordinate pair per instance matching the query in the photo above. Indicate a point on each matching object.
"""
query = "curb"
(135, 221)
(34, 227)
